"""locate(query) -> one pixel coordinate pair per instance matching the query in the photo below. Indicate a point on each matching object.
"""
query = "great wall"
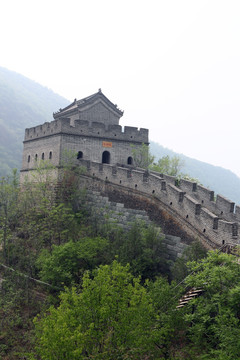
(90, 128)
(187, 210)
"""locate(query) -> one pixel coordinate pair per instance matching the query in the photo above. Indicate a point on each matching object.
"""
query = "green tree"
(142, 248)
(214, 316)
(168, 165)
(170, 323)
(9, 191)
(142, 157)
(110, 319)
(66, 264)
(193, 252)
(49, 214)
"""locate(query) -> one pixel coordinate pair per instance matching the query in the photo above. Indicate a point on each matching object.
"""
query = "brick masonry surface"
(118, 215)
(89, 128)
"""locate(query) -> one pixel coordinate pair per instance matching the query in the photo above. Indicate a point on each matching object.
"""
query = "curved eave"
(78, 104)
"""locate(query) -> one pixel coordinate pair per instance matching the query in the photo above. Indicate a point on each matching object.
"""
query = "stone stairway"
(191, 294)
(229, 248)
(232, 249)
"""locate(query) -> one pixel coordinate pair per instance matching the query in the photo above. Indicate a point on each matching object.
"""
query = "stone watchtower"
(88, 127)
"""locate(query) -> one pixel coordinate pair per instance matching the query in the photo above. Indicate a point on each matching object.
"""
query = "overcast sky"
(172, 66)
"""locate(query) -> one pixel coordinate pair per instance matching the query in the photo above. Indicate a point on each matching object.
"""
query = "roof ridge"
(84, 100)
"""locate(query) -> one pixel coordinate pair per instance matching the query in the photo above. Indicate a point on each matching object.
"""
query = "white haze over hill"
(173, 66)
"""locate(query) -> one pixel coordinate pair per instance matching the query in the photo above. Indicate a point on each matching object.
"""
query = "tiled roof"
(77, 104)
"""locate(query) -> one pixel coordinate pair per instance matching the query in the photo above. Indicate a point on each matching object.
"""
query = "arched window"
(130, 160)
(36, 157)
(29, 158)
(106, 157)
(50, 155)
(80, 155)
(42, 156)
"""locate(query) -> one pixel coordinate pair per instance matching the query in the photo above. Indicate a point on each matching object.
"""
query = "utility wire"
(204, 261)
(29, 277)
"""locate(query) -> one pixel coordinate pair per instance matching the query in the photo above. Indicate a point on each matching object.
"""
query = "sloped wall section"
(186, 210)
(119, 215)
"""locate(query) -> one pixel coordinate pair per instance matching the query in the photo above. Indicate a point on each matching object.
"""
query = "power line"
(31, 278)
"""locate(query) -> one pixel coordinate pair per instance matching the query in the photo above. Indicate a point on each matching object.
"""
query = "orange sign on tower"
(107, 144)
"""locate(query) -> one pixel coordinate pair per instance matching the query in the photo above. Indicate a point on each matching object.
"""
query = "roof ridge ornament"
(99, 90)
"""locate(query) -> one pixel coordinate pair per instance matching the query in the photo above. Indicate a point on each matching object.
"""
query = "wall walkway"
(187, 210)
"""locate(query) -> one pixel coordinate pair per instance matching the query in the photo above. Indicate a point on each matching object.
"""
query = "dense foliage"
(111, 317)
(214, 317)
(96, 291)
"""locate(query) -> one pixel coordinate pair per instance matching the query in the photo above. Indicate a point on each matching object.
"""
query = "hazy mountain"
(25, 103)
(216, 178)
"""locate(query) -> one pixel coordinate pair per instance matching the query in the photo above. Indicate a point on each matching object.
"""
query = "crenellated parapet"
(89, 128)
(44, 130)
(84, 128)
(219, 205)
(215, 220)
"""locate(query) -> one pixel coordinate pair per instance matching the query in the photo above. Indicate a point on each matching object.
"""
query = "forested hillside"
(23, 103)
(74, 287)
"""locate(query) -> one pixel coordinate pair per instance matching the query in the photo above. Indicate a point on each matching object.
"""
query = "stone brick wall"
(192, 206)
(88, 137)
(117, 214)
(47, 148)
(88, 128)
